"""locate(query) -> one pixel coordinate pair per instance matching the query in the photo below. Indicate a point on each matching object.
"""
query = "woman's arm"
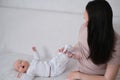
(110, 74)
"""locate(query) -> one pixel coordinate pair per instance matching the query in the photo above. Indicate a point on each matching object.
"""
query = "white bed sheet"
(8, 73)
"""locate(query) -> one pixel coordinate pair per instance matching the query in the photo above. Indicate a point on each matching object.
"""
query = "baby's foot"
(67, 48)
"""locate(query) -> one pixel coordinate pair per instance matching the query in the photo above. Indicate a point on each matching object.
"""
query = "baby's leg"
(58, 64)
(36, 54)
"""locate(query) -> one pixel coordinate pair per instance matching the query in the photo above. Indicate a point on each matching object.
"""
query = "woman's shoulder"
(83, 27)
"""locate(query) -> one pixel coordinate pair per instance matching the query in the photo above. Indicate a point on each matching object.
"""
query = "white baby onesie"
(53, 67)
(58, 64)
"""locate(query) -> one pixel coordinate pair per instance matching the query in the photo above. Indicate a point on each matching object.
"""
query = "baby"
(51, 68)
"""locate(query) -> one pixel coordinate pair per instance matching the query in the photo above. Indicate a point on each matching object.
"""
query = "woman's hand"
(76, 55)
(70, 55)
(74, 75)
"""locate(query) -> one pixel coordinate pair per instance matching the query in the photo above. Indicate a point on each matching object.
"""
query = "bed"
(8, 73)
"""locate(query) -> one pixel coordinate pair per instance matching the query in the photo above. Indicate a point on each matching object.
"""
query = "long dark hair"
(101, 35)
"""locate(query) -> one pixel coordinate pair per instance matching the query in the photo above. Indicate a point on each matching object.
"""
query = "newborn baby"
(51, 68)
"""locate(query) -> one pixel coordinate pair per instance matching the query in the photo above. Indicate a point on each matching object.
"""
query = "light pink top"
(86, 65)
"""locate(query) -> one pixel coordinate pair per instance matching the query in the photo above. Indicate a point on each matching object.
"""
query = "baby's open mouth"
(23, 66)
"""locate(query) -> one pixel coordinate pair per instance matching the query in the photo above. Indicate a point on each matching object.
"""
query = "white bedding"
(8, 73)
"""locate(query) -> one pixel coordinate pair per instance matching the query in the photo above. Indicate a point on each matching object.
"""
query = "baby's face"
(21, 65)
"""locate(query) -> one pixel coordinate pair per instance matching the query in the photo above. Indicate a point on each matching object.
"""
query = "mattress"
(8, 73)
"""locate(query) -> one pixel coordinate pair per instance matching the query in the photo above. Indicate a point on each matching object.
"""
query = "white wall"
(47, 24)
(21, 29)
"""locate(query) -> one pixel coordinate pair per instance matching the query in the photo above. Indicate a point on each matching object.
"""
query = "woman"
(98, 45)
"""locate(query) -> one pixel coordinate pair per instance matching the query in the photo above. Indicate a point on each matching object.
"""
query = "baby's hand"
(34, 48)
(19, 75)
(61, 49)
(77, 56)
